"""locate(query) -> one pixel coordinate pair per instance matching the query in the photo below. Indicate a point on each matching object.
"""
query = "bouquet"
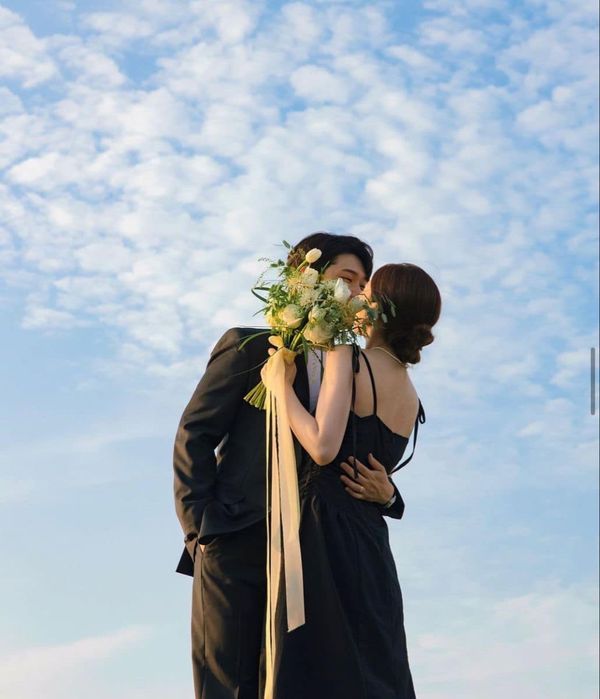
(304, 310)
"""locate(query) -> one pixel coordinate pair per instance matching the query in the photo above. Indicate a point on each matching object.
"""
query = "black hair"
(331, 245)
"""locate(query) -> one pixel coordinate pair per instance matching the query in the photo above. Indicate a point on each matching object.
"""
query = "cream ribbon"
(283, 529)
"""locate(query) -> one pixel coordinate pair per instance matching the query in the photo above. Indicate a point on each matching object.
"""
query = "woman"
(353, 643)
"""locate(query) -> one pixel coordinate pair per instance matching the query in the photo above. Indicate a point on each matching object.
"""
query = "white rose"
(316, 314)
(358, 303)
(341, 292)
(310, 276)
(318, 333)
(292, 315)
(313, 255)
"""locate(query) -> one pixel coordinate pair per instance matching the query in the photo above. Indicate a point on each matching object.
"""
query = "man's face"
(350, 269)
(367, 291)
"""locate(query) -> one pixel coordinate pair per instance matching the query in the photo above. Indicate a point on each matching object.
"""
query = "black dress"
(353, 644)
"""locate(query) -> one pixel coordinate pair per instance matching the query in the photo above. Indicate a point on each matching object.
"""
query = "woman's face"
(362, 315)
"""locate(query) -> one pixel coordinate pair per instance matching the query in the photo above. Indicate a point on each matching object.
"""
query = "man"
(220, 497)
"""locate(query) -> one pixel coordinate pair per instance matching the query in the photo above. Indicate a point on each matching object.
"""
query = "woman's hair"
(331, 245)
(417, 303)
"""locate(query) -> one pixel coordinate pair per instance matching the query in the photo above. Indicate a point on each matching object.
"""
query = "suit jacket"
(219, 450)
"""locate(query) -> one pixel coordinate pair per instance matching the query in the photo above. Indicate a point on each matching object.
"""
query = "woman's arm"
(322, 435)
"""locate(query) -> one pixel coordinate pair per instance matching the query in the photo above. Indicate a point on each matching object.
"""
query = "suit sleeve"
(205, 421)
(397, 509)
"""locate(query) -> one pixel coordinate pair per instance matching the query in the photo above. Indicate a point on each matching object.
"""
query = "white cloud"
(22, 54)
(51, 669)
(573, 362)
(140, 206)
(86, 63)
(465, 144)
(233, 20)
(511, 646)
(118, 26)
(302, 22)
(9, 102)
(417, 60)
(451, 34)
(318, 85)
(34, 170)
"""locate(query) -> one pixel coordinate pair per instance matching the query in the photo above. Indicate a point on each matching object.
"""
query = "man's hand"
(373, 483)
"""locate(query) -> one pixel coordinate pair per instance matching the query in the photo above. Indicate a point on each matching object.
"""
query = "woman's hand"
(290, 369)
(373, 484)
(290, 373)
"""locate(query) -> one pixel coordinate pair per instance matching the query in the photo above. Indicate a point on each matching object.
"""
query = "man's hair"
(331, 245)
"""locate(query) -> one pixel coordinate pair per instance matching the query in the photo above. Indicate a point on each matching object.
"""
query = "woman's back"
(393, 398)
(367, 432)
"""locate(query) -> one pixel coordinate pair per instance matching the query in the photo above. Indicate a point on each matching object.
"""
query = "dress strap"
(420, 419)
(355, 369)
(372, 383)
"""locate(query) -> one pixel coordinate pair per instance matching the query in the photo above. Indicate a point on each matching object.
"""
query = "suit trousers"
(228, 615)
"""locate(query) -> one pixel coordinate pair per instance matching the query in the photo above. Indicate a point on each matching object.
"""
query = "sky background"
(150, 152)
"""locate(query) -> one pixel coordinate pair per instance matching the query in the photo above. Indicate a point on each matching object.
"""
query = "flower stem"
(256, 396)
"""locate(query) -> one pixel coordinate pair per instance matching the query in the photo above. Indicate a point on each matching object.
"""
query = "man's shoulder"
(253, 337)
(243, 331)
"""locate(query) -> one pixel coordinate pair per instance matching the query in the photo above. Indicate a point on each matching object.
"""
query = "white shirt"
(313, 368)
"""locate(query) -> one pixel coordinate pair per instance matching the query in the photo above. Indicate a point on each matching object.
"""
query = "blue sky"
(150, 152)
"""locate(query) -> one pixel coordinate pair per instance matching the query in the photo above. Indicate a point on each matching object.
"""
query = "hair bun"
(407, 342)
(420, 335)
(414, 303)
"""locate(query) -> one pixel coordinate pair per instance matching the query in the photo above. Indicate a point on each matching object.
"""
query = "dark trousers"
(228, 615)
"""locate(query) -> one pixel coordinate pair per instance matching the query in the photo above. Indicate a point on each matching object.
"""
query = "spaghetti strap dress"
(353, 643)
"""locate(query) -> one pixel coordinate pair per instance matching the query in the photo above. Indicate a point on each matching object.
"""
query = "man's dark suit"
(220, 502)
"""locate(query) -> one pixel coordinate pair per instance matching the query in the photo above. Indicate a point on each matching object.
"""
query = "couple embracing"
(352, 413)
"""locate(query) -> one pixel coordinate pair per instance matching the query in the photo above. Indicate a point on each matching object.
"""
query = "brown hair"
(417, 303)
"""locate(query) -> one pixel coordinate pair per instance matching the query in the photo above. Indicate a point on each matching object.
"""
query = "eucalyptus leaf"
(258, 296)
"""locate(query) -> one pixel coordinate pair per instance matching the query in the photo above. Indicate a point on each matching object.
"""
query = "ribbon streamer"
(283, 525)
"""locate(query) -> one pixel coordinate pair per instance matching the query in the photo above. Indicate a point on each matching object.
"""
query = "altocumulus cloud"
(150, 153)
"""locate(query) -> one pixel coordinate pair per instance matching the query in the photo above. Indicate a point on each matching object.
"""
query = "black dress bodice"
(363, 434)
